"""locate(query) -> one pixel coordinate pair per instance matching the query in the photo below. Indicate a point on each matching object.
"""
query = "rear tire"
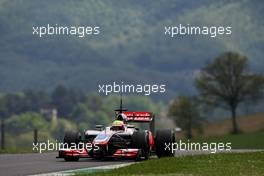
(162, 137)
(140, 140)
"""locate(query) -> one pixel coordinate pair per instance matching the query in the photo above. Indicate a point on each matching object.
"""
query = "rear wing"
(139, 116)
(142, 117)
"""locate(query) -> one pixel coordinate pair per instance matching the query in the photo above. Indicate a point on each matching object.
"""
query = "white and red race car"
(121, 141)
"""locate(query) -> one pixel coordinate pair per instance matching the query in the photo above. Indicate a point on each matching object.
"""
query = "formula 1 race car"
(121, 140)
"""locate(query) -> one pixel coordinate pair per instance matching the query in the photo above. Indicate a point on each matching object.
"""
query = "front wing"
(119, 153)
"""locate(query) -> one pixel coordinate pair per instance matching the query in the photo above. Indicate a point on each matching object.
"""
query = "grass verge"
(239, 141)
(206, 165)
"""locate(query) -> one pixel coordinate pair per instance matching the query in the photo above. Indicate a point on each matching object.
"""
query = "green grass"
(239, 141)
(206, 165)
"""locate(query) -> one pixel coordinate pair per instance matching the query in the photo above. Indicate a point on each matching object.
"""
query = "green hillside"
(132, 42)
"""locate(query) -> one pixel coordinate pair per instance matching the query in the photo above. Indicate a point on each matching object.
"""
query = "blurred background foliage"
(28, 110)
(132, 42)
(63, 72)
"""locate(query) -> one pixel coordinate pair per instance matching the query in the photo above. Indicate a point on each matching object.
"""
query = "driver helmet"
(118, 125)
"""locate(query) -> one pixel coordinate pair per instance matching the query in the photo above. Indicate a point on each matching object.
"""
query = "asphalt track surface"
(33, 163)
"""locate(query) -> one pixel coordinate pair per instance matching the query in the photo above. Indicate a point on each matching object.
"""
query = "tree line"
(21, 112)
(61, 98)
(227, 82)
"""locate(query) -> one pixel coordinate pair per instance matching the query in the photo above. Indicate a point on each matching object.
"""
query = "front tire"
(72, 139)
(140, 140)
